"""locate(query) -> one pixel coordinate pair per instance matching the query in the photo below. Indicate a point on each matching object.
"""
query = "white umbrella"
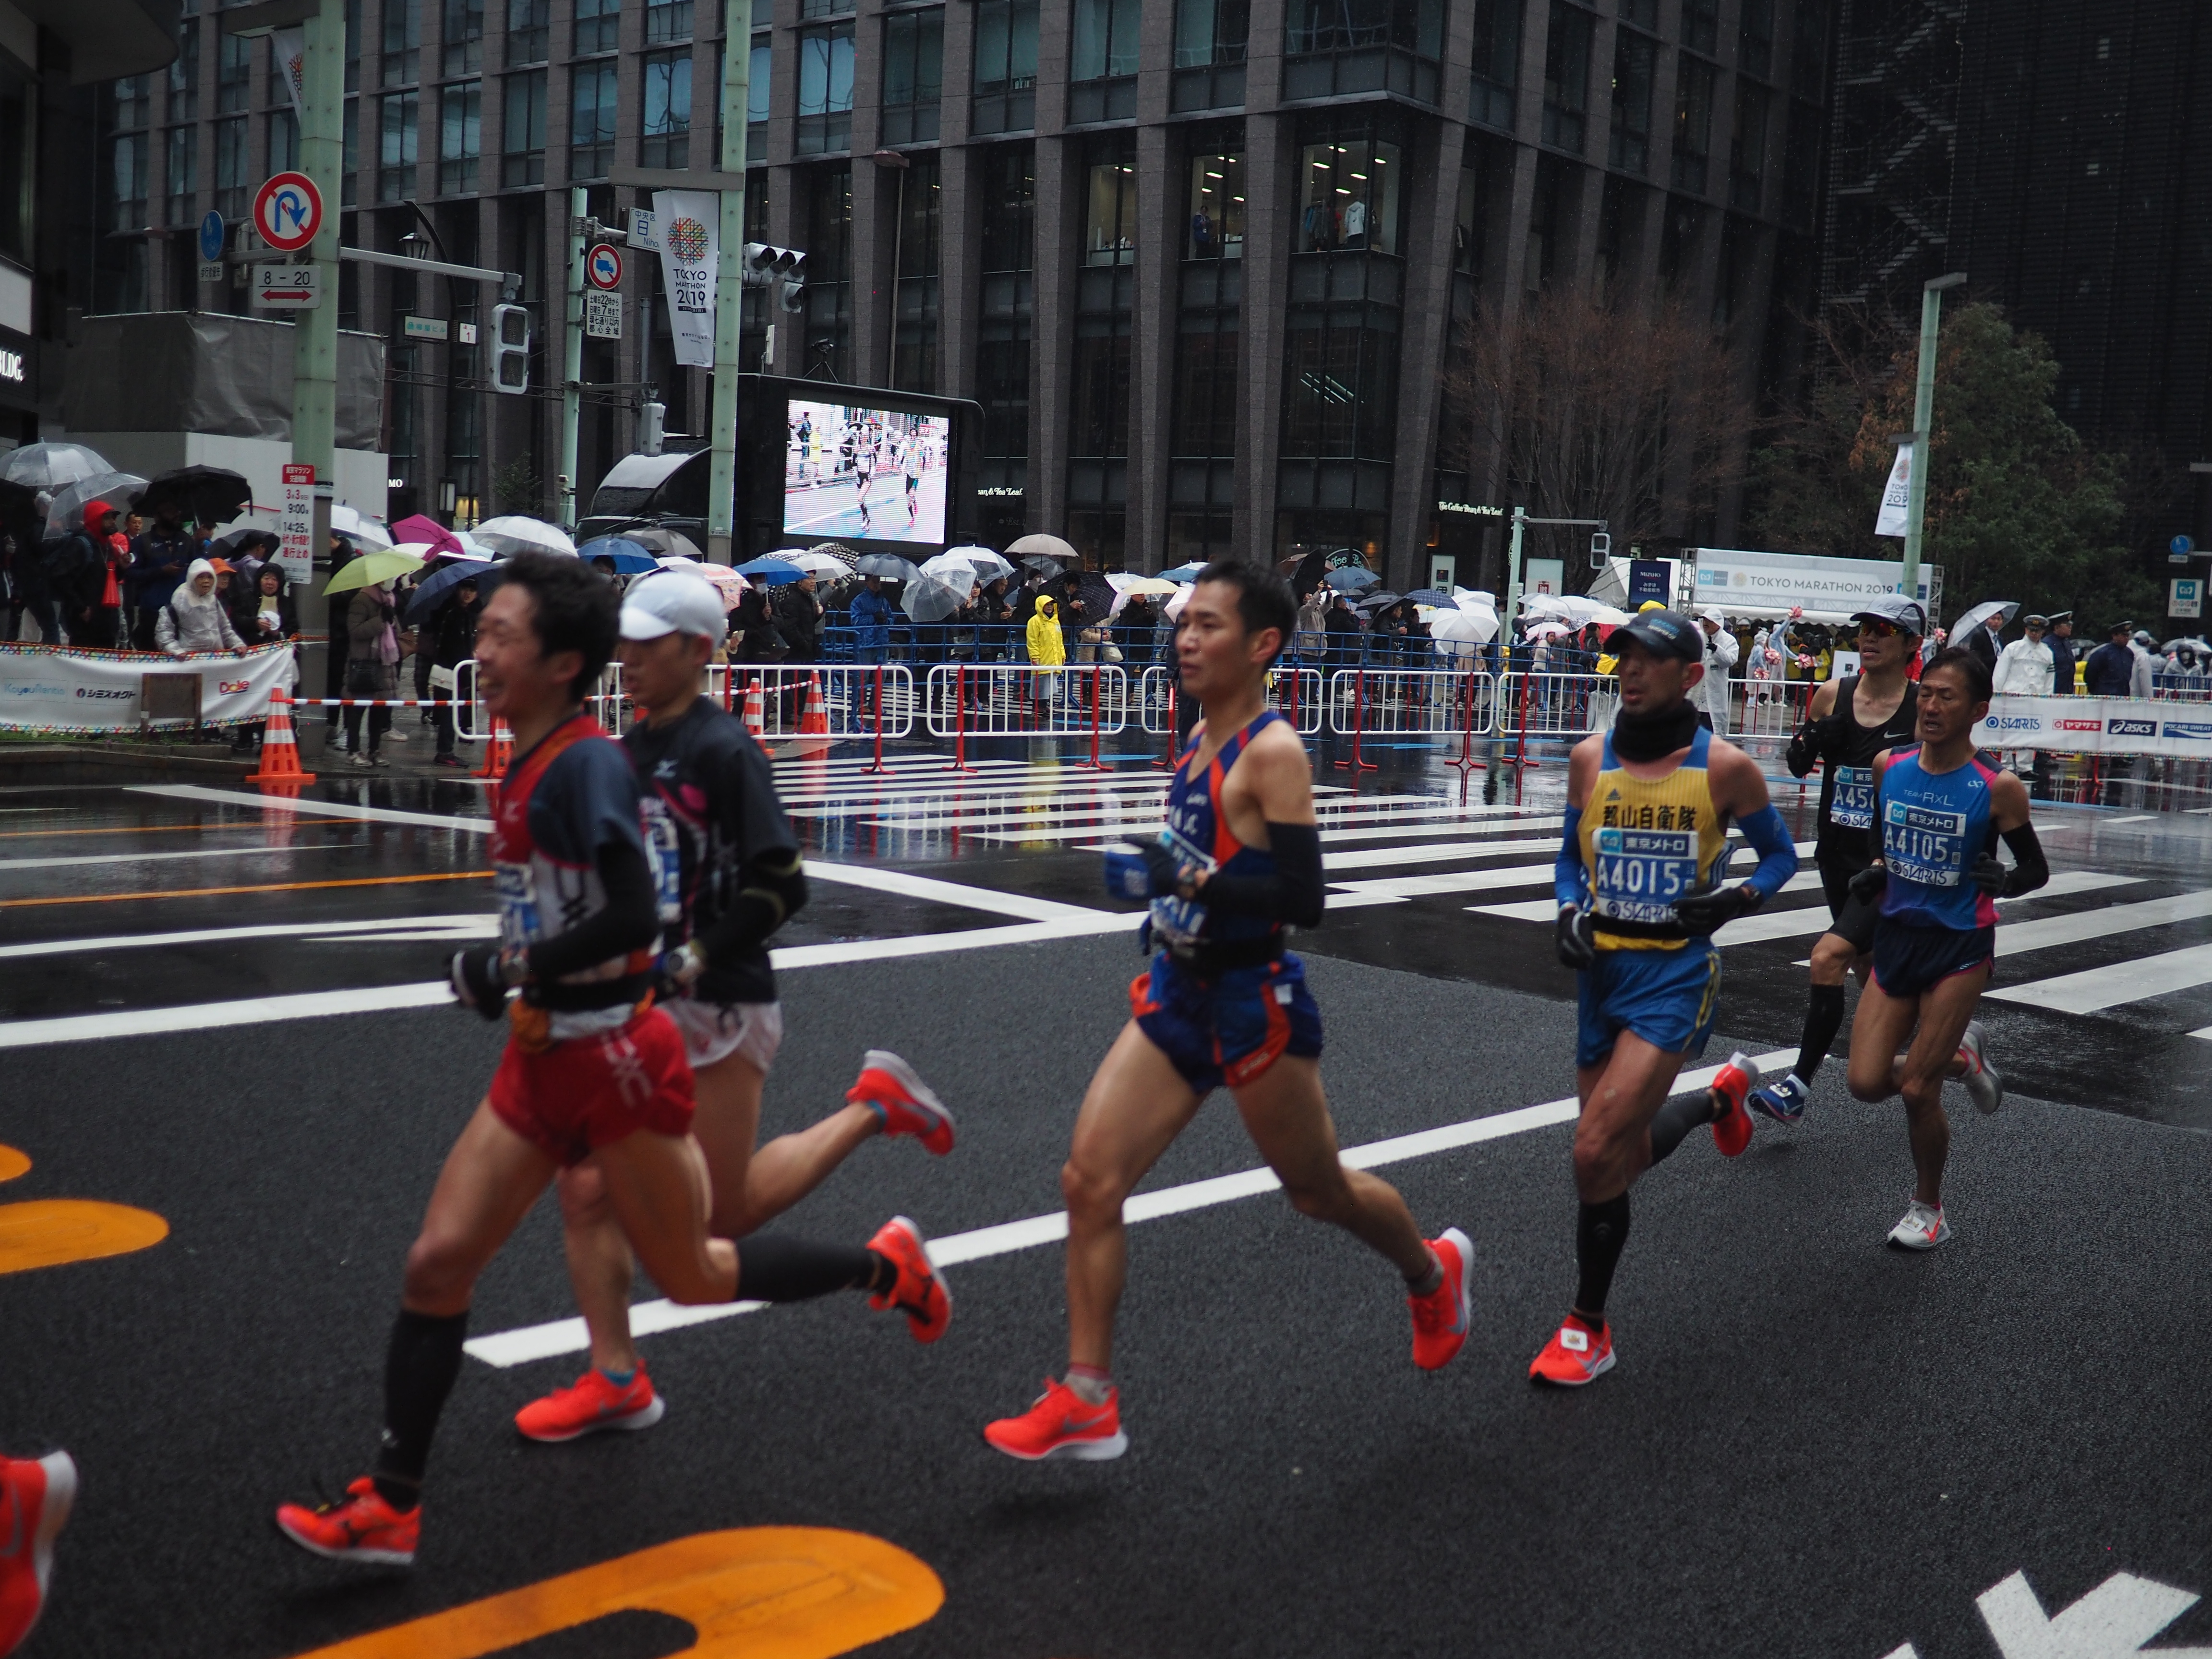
(365, 531)
(65, 516)
(721, 575)
(515, 533)
(953, 571)
(987, 564)
(2005, 609)
(1040, 545)
(1475, 598)
(1126, 587)
(1461, 633)
(827, 566)
(1549, 631)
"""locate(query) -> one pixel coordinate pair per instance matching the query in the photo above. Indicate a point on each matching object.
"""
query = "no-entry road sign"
(288, 211)
(604, 265)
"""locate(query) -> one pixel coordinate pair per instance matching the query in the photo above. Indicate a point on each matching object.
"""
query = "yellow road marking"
(49, 1232)
(12, 1163)
(750, 1592)
(270, 887)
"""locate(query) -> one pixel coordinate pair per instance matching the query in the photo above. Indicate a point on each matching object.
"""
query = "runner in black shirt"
(1849, 723)
(728, 873)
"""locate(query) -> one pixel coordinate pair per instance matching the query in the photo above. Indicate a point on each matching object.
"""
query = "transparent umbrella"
(65, 516)
(929, 600)
(516, 533)
(49, 467)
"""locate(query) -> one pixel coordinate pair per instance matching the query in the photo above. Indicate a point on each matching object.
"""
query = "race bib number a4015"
(1641, 873)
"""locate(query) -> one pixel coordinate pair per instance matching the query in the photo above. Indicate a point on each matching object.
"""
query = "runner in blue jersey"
(1941, 809)
(1223, 1004)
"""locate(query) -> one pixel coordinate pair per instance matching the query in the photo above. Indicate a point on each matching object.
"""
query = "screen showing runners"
(864, 474)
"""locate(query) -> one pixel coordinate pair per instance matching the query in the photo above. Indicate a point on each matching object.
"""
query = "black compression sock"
(1600, 1232)
(1824, 1018)
(1677, 1118)
(419, 1370)
(771, 1268)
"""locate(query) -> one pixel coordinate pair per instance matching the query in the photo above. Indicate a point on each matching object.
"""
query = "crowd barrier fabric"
(46, 688)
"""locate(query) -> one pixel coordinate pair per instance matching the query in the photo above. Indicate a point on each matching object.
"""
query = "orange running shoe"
(1574, 1356)
(363, 1528)
(1062, 1424)
(1441, 1318)
(35, 1495)
(920, 1292)
(1732, 1129)
(907, 1106)
(590, 1403)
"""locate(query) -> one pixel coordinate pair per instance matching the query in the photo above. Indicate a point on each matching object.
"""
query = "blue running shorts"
(1910, 962)
(1668, 998)
(1226, 1031)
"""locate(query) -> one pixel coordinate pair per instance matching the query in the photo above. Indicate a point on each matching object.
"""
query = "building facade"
(1205, 264)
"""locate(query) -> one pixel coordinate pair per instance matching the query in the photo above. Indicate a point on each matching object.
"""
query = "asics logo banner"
(2126, 729)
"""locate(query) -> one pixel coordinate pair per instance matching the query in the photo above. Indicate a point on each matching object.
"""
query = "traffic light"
(510, 349)
(781, 268)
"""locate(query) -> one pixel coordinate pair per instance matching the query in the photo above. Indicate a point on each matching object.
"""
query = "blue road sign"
(2181, 544)
(211, 236)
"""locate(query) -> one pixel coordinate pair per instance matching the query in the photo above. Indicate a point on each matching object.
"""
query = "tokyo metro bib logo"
(687, 241)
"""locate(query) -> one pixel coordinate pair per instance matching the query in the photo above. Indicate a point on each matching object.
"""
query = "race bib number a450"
(1851, 806)
(1641, 873)
(1926, 845)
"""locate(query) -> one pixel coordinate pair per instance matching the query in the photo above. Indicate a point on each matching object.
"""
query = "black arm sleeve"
(628, 923)
(774, 890)
(2030, 869)
(1292, 894)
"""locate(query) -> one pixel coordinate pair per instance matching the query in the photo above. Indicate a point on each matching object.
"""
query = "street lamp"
(1923, 410)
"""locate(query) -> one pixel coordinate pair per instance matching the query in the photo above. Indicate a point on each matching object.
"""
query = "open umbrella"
(721, 575)
(770, 571)
(928, 600)
(34, 467)
(2006, 610)
(515, 533)
(837, 550)
(1549, 631)
(1182, 573)
(660, 541)
(889, 566)
(1460, 633)
(365, 530)
(952, 570)
(382, 566)
(1127, 588)
(1429, 596)
(986, 563)
(419, 530)
(823, 567)
(1352, 579)
(430, 592)
(205, 494)
(1377, 600)
(631, 558)
(243, 545)
(65, 514)
(1046, 547)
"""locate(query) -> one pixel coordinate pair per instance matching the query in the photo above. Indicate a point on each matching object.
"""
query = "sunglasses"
(1880, 630)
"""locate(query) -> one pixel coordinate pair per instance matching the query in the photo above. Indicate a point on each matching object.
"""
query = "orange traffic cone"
(814, 719)
(756, 709)
(280, 749)
(498, 753)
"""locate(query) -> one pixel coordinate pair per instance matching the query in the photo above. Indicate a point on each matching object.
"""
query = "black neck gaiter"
(1655, 736)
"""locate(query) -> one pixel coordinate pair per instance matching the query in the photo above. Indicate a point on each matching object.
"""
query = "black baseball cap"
(1663, 633)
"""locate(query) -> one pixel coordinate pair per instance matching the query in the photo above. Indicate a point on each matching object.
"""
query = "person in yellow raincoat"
(1047, 650)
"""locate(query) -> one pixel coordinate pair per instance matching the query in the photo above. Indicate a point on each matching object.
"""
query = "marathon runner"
(864, 473)
(591, 1068)
(730, 875)
(1848, 724)
(35, 1497)
(910, 463)
(1222, 1004)
(1940, 808)
(1639, 882)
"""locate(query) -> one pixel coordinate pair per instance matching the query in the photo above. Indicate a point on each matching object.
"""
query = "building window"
(1110, 219)
(523, 131)
(126, 180)
(1342, 46)
(1693, 123)
(402, 42)
(914, 334)
(234, 75)
(282, 133)
(666, 135)
(1754, 49)
(1634, 59)
(1210, 42)
(1201, 480)
(1216, 206)
(825, 89)
(397, 116)
(667, 21)
(1497, 63)
(757, 92)
(184, 73)
(1747, 148)
(599, 26)
(1348, 195)
(827, 193)
(349, 156)
(1005, 66)
(1645, 14)
(1002, 349)
(809, 9)
(590, 119)
(1808, 49)
(1800, 163)
(184, 173)
(1103, 68)
(1701, 26)
(462, 36)
(914, 57)
(230, 168)
(1105, 306)
(1566, 77)
(529, 31)
(460, 137)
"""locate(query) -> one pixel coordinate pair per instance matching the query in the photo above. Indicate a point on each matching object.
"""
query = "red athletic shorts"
(585, 1092)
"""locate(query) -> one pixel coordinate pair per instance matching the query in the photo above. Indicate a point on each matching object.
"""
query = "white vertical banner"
(688, 223)
(1896, 496)
(295, 523)
(290, 50)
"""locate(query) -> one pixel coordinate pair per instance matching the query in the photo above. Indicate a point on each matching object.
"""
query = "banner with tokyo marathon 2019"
(43, 689)
(2098, 725)
(688, 223)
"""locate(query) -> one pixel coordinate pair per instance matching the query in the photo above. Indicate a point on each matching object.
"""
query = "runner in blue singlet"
(1939, 811)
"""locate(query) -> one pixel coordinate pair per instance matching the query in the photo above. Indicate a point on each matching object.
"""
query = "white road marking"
(257, 851)
(1481, 881)
(2113, 1620)
(441, 925)
(2095, 989)
(2139, 817)
(311, 808)
(221, 1016)
(559, 1336)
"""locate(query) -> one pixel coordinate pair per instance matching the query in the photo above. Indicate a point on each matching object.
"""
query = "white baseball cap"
(672, 603)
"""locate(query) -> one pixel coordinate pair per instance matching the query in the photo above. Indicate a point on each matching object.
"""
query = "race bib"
(1177, 920)
(1923, 845)
(518, 904)
(1641, 873)
(1851, 806)
(664, 855)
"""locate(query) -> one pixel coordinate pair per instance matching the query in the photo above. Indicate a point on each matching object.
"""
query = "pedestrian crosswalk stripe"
(2095, 989)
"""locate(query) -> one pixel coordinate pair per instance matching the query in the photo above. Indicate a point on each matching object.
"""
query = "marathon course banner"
(2098, 725)
(46, 689)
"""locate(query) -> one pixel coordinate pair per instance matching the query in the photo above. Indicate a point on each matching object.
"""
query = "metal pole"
(729, 277)
(571, 355)
(315, 333)
(1923, 414)
(1513, 575)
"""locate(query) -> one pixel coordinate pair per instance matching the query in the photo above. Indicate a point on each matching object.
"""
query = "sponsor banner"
(2098, 725)
(688, 223)
(67, 691)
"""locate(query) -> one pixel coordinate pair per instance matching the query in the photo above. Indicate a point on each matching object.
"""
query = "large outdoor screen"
(862, 474)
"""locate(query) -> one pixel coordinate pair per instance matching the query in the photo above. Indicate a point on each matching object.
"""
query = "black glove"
(1162, 867)
(1988, 874)
(1867, 885)
(1706, 912)
(1576, 937)
(1804, 750)
(477, 982)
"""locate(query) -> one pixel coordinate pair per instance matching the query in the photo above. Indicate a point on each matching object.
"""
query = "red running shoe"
(920, 1292)
(1441, 1318)
(362, 1528)
(590, 1403)
(1732, 1129)
(1574, 1356)
(35, 1495)
(907, 1106)
(1062, 1424)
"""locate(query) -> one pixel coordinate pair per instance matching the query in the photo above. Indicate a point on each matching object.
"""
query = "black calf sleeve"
(1824, 1018)
(1677, 1118)
(419, 1370)
(1600, 1232)
(772, 1268)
